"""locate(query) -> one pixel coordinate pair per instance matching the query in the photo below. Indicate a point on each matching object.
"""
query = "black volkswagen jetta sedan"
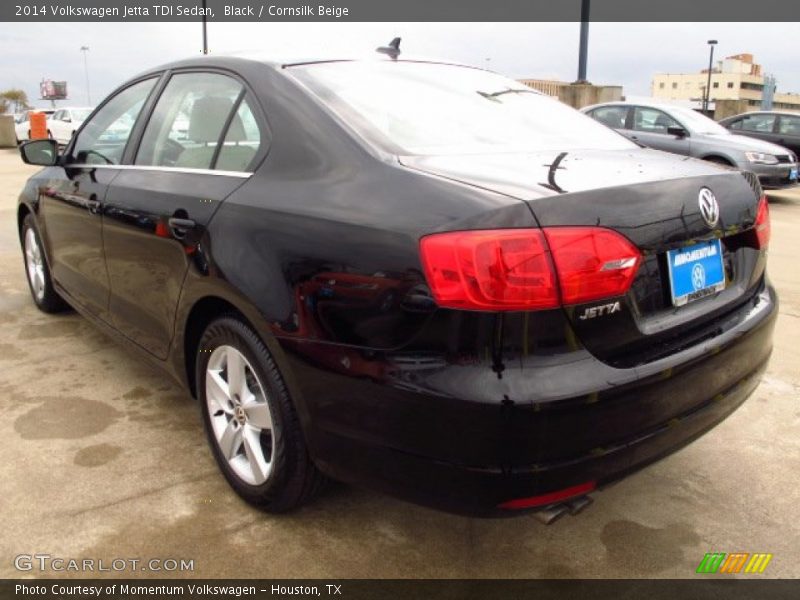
(420, 277)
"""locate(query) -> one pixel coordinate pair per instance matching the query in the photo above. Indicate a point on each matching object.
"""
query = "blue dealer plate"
(793, 175)
(695, 271)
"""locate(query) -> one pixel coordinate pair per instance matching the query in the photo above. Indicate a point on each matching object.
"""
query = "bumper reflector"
(550, 497)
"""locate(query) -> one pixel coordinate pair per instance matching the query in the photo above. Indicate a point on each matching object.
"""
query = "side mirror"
(43, 153)
(678, 132)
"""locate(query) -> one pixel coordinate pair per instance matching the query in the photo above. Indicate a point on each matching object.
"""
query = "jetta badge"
(709, 207)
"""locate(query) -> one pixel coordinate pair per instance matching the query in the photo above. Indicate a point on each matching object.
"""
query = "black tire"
(293, 479)
(47, 300)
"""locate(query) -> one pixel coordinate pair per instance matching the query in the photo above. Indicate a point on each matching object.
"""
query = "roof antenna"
(393, 49)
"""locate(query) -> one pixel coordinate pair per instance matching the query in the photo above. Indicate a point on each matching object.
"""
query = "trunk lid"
(653, 199)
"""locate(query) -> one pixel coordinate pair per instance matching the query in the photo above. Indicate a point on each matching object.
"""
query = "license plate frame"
(695, 271)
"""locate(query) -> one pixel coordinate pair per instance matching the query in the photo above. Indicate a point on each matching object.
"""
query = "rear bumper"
(461, 453)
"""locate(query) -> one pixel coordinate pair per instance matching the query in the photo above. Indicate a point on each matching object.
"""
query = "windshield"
(427, 109)
(698, 123)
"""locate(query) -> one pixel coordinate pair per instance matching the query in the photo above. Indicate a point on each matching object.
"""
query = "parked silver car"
(685, 131)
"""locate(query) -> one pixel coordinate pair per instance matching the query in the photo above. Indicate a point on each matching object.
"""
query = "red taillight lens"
(762, 225)
(592, 262)
(505, 269)
(512, 269)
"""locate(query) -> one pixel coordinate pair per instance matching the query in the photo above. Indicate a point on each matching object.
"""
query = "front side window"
(188, 121)
(428, 108)
(652, 120)
(789, 125)
(757, 123)
(102, 140)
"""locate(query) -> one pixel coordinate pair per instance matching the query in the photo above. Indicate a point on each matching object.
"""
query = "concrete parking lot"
(103, 457)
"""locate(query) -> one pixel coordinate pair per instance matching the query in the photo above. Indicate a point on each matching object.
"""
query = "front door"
(651, 128)
(72, 202)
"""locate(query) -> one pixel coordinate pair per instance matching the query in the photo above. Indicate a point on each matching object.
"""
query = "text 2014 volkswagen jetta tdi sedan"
(421, 277)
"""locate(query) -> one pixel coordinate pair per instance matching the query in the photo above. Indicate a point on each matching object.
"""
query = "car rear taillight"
(592, 262)
(527, 269)
(507, 269)
(762, 225)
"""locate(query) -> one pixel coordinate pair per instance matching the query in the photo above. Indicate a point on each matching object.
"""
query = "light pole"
(85, 49)
(583, 49)
(711, 44)
(205, 31)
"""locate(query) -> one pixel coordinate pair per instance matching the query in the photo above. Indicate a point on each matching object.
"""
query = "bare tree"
(17, 97)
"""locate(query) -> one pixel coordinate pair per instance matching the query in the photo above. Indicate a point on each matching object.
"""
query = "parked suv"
(685, 131)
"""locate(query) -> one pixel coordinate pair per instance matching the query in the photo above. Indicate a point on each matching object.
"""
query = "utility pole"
(707, 98)
(583, 50)
(85, 49)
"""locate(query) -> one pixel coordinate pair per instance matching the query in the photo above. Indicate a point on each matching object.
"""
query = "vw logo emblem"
(709, 208)
(698, 277)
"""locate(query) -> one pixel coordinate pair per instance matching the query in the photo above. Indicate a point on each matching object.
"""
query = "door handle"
(180, 226)
(634, 137)
(94, 206)
(178, 223)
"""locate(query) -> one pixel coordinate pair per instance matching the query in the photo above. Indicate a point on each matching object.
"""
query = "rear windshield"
(429, 109)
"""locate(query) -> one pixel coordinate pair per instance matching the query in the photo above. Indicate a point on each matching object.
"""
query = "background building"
(735, 78)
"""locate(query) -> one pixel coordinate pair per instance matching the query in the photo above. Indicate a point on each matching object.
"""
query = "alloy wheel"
(34, 262)
(239, 414)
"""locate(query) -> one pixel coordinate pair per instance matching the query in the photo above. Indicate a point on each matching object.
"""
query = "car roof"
(787, 113)
(231, 61)
(658, 105)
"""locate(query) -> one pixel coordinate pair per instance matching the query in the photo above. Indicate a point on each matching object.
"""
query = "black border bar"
(401, 10)
(715, 587)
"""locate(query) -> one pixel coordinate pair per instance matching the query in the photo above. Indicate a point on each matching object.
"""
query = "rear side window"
(613, 116)
(242, 140)
(190, 120)
(102, 140)
(757, 123)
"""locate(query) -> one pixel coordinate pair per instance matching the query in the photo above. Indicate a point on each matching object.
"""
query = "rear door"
(788, 129)
(650, 127)
(203, 138)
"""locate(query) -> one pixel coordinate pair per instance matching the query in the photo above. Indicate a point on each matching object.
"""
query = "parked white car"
(65, 122)
(22, 124)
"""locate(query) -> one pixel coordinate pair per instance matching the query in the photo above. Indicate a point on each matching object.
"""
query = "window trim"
(255, 106)
(186, 170)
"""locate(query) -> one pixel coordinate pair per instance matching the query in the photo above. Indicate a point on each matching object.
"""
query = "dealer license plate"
(695, 271)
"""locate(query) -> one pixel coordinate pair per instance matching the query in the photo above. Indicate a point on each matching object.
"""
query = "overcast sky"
(626, 54)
